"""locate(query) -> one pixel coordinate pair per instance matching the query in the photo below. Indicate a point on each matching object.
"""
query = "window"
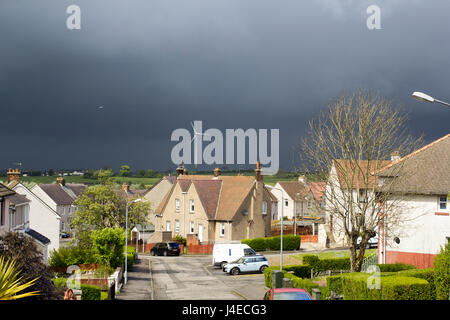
(309, 203)
(264, 207)
(191, 205)
(191, 226)
(362, 196)
(249, 252)
(63, 226)
(2, 211)
(286, 203)
(222, 229)
(177, 205)
(177, 226)
(167, 225)
(442, 202)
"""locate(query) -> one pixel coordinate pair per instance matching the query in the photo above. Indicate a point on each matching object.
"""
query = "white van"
(227, 252)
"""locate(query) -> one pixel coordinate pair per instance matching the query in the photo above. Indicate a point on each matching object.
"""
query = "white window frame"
(222, 230)
(191, 227)
(264, 207)
(177, 205)
(168, 226)
(177, 226)
(191, 206)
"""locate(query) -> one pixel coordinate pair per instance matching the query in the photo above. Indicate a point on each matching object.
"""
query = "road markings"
(240, 295)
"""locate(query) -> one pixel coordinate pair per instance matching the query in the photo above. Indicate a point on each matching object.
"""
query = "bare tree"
(349, 143)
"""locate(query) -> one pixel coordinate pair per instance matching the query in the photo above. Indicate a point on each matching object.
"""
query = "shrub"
(310, 259)
(354, 287)
(268, 276)
(302, 271)
(74, 255)
(89, 292)
(427, 274)
(130, 260)
(332, 264)
(300, 283)
(334, 283)
(394, 267)
(441, 273)
(290, 242)
(109, 246)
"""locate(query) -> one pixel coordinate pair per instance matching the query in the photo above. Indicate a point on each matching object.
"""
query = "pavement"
(139, 286)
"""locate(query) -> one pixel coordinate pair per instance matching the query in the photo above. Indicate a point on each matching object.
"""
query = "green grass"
(333, 254)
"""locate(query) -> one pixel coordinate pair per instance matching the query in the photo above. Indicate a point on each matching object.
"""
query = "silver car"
(247, 264)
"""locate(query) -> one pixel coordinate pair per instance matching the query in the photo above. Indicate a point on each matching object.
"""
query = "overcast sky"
(157, 65)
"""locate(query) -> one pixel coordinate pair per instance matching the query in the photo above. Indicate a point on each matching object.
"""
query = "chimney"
(258, 175)
(14, 174)
(125, 187)
(60, 180)
(301, 179)
(217, 172)
(180, 170)
(395, 156)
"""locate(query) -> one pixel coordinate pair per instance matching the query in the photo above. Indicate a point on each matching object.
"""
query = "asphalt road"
(194, 278)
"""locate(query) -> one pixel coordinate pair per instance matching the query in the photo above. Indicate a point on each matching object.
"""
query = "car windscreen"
(173, 245)
(295, 295)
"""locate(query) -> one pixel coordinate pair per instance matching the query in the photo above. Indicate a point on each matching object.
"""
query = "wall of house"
(155, 196)
(424, 230)
(5, 212)
(282, 197)
(199, 215)
(42, 218)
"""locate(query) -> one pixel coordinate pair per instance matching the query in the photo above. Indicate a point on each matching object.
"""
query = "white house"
(5, 196)
(60, 197)
(425, 210)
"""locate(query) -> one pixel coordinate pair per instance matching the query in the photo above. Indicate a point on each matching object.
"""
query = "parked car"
(166, 249)
(64, 234)
(253, 263)
(287, 294)
(372, 243)
(224, 253)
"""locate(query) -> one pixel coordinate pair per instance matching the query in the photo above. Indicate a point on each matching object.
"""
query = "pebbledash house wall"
(198, 216)
(154, 196)
(425, 230)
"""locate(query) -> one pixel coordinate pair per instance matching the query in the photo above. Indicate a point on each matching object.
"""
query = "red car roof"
(288, 290)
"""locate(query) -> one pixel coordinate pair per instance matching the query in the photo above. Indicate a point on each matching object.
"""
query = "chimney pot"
(302, 179)
(14, 174)
(60, 180)
(395, 156)
(217, 172)
(258, 175)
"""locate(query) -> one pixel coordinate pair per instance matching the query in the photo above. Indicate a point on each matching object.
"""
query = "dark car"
(165, 249)
(64, 234)
(287, 294)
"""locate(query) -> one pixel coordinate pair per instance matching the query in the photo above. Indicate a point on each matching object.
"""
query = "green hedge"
(67, 256)
(394, 267)
(310, 259)
(319, 265)
(393, 287)
(427, 274)
(88, 292)
(441, 273)
(302, 271)
(297, 282)
(290, 242)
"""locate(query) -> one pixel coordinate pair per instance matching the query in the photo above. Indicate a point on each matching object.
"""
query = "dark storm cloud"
(155, 66)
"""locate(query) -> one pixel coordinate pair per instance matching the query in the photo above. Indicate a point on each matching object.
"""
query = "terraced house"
(216, 208)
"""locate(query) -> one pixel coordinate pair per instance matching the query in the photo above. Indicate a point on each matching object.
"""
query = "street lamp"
(281, 233)
(426, 98)
(126, 237)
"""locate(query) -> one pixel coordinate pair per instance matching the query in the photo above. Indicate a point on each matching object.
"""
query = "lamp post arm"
(442, 102)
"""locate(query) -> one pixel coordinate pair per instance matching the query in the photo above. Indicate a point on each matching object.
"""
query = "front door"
(200, 232)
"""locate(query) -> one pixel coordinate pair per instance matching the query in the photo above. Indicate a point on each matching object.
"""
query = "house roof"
(317, 189)
(76, 188)
(221, 197)
(18, 199)
(57, 193)
(5, 191)
(170, 179)
(424, 171)
(294, 187)
(36, 235)
(358, 172)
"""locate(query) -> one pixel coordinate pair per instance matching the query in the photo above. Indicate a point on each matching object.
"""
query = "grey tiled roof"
(36, 235)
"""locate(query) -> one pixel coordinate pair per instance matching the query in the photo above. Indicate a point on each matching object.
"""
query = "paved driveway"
(194, 278)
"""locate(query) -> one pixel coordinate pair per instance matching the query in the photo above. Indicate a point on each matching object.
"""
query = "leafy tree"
(442, 273)
(29, 259)
(109, 244)
(151, 173)
(141, 173)
(125, 171)
(104, 176)
(89, 174)
(100, 207)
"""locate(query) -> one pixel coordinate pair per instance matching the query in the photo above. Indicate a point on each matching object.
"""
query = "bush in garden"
(67, 256)
(310, 259)
(394, 267)
(89, 292)
(441, 273)
(302, 271)
(290, 242)
(300, 283)
(109, 245)
(427, 274)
